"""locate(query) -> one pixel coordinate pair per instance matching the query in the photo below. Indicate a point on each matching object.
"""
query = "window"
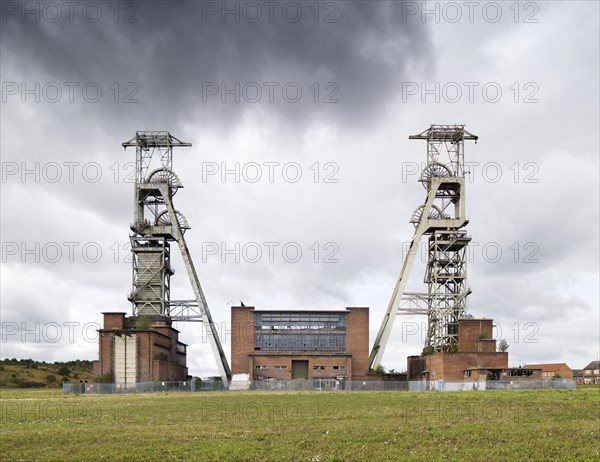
(319, 368)
(300, 331)
(260, 367)
(339, 368)
(281, 367)
(467, 373)
(521, 373)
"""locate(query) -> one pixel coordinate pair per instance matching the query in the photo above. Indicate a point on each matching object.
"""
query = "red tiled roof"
(552, 367)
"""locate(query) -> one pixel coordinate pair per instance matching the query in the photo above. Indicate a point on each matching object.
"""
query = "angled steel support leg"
(390, 315)
(213, 336)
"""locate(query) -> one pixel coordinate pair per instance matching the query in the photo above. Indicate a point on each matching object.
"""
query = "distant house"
(578, 375)
(591, 372)
(553, 370)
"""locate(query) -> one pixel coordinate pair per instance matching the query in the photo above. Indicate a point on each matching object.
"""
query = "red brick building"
(553, 370)
(591, 373)
(476, 350)
(300, 344)
(132, 353)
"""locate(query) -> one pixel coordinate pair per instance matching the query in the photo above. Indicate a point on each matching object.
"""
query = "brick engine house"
(302, 344)
(135, 352)
(476, 349)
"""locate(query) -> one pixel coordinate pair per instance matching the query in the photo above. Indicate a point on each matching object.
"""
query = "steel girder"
(151, 240)
(441, 217)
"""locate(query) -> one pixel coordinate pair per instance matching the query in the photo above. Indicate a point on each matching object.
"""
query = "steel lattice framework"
(156, 224)
(441, 217)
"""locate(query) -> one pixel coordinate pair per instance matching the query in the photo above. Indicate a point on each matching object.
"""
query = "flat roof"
(502, 369)
(300, 310)
(299, 353)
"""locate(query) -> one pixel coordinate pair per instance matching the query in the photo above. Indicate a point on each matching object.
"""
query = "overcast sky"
(319, 99)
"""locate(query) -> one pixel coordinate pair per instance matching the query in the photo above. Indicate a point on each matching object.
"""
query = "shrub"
(26, 384)
(428, 351)
(379, 370)
(143, 323)
(109, 377)
(64, 370)
(503, 345)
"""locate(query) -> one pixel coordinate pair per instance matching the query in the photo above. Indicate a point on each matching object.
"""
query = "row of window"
(264, 318)
(287, 331)
(316, 368)
(521, 373)
(307, 341)
(306, 321)
(513, 373)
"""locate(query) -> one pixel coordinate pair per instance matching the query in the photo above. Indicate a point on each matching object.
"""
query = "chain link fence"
(143, 387)
(315, 385)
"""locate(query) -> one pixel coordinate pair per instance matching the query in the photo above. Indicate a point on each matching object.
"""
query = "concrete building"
(476, 350)
(303, 344)
(132, 350)
(553, 370)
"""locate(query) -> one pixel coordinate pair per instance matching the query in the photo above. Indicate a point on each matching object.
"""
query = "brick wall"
(355, 360)
(114, 320)
(242, 338)
(565, 372)
(451, 366)
(470, 331)
(162, 339)
(328, 361)
(487, 345)
(357, 341)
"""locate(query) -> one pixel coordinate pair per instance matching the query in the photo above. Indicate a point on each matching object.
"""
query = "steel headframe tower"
(156, 223)
(441, 217)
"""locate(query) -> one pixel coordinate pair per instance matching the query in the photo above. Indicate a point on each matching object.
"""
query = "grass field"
(319, 426)
(42, 375)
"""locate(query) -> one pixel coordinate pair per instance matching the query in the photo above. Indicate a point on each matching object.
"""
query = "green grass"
(38, 376)
(519, 425)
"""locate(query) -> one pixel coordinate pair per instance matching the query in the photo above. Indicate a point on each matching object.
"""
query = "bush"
(502, 345)
(64, 370)
(143, 323)
(26, 384)
(428, 351)
(109, 377)
(51, 378)
(379, 370)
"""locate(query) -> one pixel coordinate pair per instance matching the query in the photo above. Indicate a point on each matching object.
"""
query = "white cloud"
(363, 137)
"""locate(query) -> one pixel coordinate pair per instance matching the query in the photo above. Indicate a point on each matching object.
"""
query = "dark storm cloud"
(176, 48)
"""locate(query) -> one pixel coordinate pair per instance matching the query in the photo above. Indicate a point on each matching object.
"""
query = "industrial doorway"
(299, 369)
